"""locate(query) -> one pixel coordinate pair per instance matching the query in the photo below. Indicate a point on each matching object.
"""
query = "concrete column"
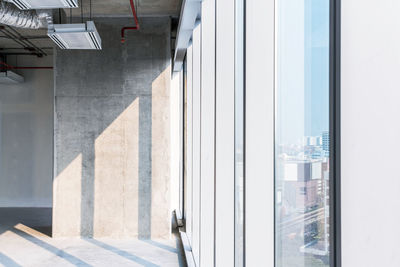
(112, 135)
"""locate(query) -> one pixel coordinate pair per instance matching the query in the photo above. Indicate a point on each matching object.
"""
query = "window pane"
(302, 133)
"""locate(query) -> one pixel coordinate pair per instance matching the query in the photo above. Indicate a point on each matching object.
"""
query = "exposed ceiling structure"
(26, 42)
(34, 39)
(121, 8)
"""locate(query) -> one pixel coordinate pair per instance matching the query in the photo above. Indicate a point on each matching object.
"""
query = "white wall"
(370, 133)
(26, 137)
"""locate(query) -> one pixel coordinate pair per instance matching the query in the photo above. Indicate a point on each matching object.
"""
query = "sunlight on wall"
(70, 182)
(119, 186)
(116, 176)
(161, 211)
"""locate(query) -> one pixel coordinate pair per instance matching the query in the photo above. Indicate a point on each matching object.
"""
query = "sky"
(302, 84)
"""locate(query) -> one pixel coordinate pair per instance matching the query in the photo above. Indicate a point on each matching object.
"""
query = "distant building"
(325, 142)
(301, 183)
(317, 154)
(312, 141)
(319, 140)
(303, 192)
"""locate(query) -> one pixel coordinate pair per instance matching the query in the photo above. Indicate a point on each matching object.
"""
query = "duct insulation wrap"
(28, 19)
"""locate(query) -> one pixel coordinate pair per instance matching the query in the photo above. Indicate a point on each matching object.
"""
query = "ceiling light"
(76, 36)
(9, 77)
(44, 4)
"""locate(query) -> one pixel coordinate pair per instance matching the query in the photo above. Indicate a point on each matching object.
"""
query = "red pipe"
(137, 27)
(28, 68)
(9, 67)
(5, 64)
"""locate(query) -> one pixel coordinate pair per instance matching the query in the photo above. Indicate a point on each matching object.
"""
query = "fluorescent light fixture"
(44, 4)
(9, 77)
(76, 36)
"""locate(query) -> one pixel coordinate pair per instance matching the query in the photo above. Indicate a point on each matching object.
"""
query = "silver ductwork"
(28, 19)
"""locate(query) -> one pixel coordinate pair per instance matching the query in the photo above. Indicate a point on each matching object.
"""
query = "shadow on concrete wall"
(111, 134)
(106, 176)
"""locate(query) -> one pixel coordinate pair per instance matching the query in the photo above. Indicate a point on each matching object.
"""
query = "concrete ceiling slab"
(100, 8)
(121, 8)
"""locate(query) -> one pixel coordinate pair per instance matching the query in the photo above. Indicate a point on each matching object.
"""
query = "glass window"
(302, 134)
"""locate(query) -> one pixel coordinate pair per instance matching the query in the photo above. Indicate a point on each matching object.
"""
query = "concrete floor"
(25, 241)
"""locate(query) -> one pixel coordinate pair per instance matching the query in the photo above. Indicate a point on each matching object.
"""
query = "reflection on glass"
(302, 133)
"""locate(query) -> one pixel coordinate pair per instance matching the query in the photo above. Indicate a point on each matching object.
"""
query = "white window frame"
(225, 134)
(189, 145)
(196, 142)
(259, 140)
(207, 132)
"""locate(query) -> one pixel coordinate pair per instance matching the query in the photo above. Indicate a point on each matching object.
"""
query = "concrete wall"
(370, 133)
(26, 137)
(112, 135)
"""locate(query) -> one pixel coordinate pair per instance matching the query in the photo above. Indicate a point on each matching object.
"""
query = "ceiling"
(100, 8)
(36, 38)
(115, 8)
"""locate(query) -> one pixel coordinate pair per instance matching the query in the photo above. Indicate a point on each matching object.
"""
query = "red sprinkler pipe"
(137, 27)
(5, 64)
(28, 68)
(9, 67)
